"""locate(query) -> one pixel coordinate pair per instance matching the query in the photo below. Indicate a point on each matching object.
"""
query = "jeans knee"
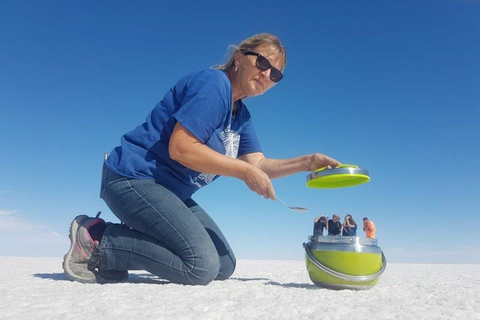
(226, 269)
(204, 271)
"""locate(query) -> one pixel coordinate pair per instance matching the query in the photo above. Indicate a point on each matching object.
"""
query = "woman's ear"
(237, 58)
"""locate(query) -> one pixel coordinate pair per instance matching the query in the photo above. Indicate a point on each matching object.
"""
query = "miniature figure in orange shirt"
(369, 228)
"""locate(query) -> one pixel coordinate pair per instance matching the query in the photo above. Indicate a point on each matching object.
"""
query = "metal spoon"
(298, 209)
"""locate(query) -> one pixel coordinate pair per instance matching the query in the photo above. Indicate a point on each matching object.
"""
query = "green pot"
(338, 262)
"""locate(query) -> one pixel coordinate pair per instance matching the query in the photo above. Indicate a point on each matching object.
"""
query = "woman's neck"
(236, 93)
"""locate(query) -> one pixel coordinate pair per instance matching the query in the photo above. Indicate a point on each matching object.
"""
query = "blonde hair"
(250, 44)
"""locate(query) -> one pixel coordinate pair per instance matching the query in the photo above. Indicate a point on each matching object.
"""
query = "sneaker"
(83, 258)
(75, 262)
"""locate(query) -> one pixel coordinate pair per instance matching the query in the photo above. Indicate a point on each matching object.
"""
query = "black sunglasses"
(263, 64)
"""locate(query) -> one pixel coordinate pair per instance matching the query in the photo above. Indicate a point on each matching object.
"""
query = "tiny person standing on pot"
(369, 228)
(334, 226)
(320, 223)
(349, 226)
(199, 131)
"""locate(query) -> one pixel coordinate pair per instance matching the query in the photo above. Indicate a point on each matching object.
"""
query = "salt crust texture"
(36, 288)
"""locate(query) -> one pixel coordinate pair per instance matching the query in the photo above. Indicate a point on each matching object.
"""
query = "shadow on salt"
(132, 278)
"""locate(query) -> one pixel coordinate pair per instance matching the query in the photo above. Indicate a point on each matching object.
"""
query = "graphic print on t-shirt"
(231, 141)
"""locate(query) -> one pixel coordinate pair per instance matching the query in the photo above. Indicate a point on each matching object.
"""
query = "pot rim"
(344, 240)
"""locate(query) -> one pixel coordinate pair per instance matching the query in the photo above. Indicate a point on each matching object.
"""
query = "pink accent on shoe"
(77, 247)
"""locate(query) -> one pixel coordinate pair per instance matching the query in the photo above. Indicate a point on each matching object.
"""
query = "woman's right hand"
(319, 160)
(258, 181)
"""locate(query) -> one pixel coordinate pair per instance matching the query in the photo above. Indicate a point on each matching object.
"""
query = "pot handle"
(343, 276)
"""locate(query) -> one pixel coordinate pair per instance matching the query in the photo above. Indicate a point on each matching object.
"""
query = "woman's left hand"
(319, 160)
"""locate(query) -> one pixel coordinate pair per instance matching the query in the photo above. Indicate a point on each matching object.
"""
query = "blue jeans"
(161, 234)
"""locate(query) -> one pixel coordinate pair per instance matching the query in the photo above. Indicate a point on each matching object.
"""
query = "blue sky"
(390, 86)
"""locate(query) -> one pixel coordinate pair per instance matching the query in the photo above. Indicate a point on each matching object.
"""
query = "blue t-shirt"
(202, 103)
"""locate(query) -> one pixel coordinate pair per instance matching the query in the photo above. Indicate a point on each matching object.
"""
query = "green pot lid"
(345, 175)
